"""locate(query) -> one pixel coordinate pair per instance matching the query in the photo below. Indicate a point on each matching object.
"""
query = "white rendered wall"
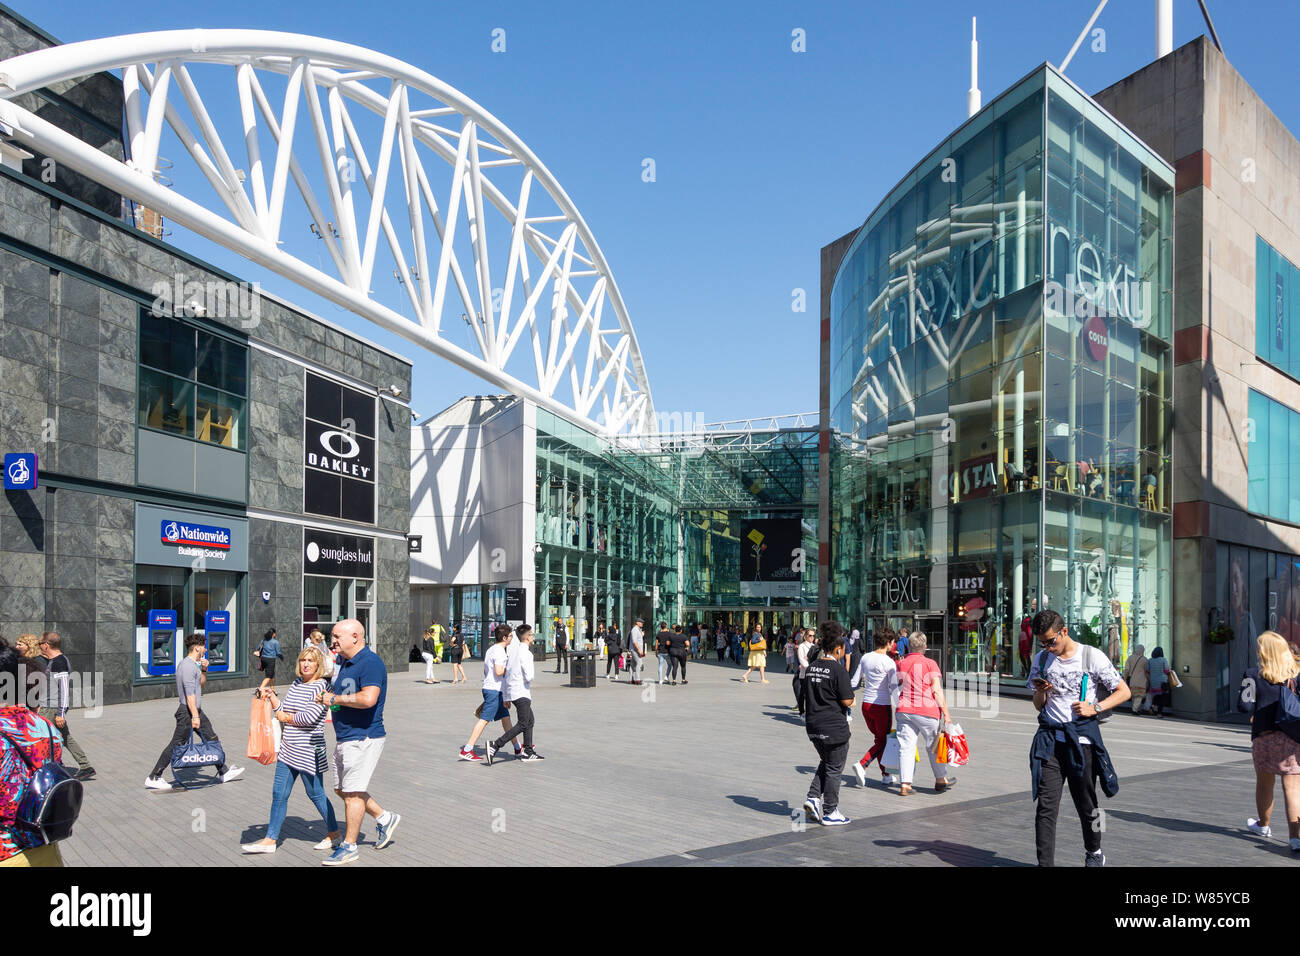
(473, 501)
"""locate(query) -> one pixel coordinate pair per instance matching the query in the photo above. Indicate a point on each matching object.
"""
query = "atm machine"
(162, 642)
(216, 625)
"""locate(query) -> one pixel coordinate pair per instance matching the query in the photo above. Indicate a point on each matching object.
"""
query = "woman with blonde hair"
(29, 645)
(301, 753)
(1273, 751)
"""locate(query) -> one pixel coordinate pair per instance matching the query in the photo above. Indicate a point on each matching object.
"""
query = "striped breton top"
(302, 745)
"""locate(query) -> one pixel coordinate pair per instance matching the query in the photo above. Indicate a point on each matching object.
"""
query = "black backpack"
(50, 803)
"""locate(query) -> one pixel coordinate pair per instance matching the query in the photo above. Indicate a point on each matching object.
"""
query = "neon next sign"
(900, 590)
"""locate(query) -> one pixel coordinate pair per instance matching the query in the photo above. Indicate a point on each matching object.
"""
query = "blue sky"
(762, 154)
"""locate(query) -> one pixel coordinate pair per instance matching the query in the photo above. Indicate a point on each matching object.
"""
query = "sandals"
(905, 790)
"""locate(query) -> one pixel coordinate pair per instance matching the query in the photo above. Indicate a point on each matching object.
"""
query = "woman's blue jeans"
(313, 783)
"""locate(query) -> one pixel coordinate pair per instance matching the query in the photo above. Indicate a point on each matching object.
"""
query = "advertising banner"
(771, 558)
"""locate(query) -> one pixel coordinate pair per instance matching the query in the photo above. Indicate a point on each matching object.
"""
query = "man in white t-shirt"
(801, 654)
(878, 675)
(494, 707)
(636, 650)
(518, 692)
(1065, 676)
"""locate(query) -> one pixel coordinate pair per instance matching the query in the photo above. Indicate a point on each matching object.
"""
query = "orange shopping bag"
(261, 734)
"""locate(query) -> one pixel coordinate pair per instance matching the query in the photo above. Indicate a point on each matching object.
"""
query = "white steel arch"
(379, 182)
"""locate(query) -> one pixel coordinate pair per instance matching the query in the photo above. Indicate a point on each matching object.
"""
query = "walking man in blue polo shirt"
(360, 685)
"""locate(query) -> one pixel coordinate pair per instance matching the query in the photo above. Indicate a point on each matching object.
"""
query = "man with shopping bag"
(1068, 746)
(191, 675)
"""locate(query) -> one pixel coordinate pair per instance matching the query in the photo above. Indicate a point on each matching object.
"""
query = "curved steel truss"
(408, 168)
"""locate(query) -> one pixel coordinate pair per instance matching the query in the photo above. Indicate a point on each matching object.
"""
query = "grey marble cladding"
(68, 352)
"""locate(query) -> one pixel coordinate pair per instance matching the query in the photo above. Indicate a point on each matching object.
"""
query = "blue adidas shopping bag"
(197, 753)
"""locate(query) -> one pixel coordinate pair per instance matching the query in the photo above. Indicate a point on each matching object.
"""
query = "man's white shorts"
(354, 763)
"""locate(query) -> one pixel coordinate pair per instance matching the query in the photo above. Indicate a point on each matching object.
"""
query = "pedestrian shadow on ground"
(1278, 846)
(785, 718)
(294, 830)
(775, 807)
(1215, 743)
(194, 779)
(954, 854)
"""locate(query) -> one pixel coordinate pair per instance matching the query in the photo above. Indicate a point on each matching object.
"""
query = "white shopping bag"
(889, 759)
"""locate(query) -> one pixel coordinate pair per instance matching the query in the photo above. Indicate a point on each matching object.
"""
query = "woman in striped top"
(302, 752)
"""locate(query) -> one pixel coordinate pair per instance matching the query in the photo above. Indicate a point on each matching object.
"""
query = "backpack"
(50, 804)
(1287, 717)
(1088, 662)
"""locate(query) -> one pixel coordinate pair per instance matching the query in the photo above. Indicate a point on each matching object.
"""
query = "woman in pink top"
(920, 708)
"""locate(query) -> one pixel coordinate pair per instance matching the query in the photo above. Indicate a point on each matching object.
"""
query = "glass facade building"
(659, 532)
(1000, 385)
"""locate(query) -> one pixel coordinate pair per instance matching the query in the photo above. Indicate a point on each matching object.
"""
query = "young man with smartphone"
(1067, 748)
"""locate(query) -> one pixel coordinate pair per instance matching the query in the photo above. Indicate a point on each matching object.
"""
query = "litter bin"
(582, 668)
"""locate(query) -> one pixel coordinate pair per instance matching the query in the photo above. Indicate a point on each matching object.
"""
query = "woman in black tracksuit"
(679, 648)
(613, 648)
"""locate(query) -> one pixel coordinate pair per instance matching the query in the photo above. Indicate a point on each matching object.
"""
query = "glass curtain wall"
(992, 438)
(607, 538)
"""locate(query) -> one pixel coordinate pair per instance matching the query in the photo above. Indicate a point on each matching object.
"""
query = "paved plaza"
(703, 774)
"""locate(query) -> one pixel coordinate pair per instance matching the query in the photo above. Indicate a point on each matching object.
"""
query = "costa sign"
(1095, 338)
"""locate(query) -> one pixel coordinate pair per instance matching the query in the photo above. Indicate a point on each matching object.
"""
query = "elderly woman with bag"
(921, 715)
(1273, 750)
(1135, 675)
(302, 751)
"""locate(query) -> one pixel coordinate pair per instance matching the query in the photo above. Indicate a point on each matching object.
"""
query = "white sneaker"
(813, 808)
(258, 847)
(889, 779)
(325, 844)
(834, 819)
(860, 772)
(156, 783)
(1253, 826)
(232, 773)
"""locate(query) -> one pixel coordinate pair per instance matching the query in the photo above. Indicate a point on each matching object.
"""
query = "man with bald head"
(357, 699)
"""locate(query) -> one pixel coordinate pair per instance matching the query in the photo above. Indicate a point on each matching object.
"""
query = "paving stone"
(702, 775)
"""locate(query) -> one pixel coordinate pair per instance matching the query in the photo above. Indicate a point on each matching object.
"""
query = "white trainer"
(860, 772)
(232, 773)
(1253, 826)
(156, 783)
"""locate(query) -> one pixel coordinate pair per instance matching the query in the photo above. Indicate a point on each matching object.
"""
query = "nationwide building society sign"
(196, 540)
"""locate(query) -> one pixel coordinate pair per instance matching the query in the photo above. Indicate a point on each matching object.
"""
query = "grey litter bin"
(582, 668)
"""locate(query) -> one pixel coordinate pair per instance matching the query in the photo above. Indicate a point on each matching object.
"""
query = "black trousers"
(523, 723)
(675, 661)
(181, 735)
(798, 691)
(1083, 791)
(826, 781)
(611, 660)
(562, 657)
(722, 651)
